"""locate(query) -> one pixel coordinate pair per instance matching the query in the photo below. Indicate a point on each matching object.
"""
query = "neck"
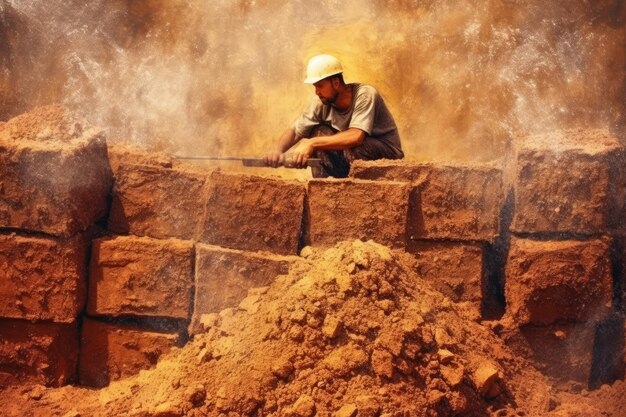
(344, 99)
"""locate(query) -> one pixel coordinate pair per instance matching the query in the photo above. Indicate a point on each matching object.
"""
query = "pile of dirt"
(351, 331)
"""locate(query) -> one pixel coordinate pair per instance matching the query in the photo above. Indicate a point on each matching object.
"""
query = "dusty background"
(211, 77)
(225, 76)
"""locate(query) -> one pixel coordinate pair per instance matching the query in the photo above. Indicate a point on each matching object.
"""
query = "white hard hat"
(322, 66)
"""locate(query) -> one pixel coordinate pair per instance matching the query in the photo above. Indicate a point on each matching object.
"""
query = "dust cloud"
(225, 76)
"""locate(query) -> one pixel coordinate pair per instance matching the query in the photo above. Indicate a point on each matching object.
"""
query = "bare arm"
(339, 141)
(303, 149)
(287, 140)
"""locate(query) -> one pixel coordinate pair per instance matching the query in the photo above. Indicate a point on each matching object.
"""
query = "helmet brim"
(313, 80)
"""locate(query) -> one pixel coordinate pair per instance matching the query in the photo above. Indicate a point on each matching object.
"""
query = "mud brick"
(42, 278)
(550, 281)
(568, 181)
(54, 173)
(224, 276)
(564, 352)
(448, 202)
(44, 352)
(455, 269)
(357, 209)
(253, 213)
(120, 153)
(110, 352)
(141, 276)
(157, 202)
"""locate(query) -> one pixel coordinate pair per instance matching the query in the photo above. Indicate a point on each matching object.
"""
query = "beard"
(329, 100)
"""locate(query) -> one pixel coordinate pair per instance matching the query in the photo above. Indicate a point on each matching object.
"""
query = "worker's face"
(326, 90)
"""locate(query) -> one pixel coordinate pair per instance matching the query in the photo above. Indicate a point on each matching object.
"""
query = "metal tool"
(247, 161)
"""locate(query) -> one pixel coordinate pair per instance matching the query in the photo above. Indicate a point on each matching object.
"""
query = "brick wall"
(563, 286)
(141, 264)
(54, 184)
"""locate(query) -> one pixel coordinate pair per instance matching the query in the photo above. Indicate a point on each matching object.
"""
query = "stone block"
(253, 213)
(550, 281)
(44, 353)
(141, 276)
(563, 352)
(568, 182)
(157, 202)
(224, 276)
(455, 269)
(42, 278)
(351, 209)
(54, 173)
(120, 154)
(110, 352)
(448, 202)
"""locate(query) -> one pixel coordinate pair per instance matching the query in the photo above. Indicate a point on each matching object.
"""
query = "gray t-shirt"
(368, 112)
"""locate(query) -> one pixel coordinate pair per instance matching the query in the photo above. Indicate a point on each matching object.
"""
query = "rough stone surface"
(54, 173)
(543, 277)
(276, 360)
(141, 276)
(110, 352)
(455, 269)
(253, 213)
(366, 210)
(157, 202)
(486, 378)
(42, 278)
(562, 351)
(44, 353)
(449, 202)
(224, 277)
(568, 181)
(120, 154)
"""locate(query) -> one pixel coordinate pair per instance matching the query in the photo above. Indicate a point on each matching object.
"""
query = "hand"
(298, 155)
(274, 159)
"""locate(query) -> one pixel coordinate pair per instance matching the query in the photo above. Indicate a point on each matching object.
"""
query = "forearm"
(339, 141)
(287, 140)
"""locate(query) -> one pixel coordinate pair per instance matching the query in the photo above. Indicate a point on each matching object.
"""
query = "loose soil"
(350, 331)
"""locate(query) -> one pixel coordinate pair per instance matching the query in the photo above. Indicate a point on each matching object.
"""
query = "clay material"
(253, 213)
(42, 278)
(449, 202)
(157, 202)
(54, 173)
(455, 269)
(110, 351)
(121, 154)
(348, 209)
(562, 351)
(548, 281)
(42, 353)
(568, 181)
(140, 276)
(224, 276)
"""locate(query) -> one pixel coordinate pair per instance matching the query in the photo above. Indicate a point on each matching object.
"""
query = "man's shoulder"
(364, 89)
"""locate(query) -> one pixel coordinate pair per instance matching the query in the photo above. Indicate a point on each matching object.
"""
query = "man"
(342, 123)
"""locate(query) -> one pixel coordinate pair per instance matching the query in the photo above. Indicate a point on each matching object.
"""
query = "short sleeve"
(364, 110)
(309, 118)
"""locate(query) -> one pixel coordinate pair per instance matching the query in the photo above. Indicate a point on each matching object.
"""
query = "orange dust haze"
(225, 76)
